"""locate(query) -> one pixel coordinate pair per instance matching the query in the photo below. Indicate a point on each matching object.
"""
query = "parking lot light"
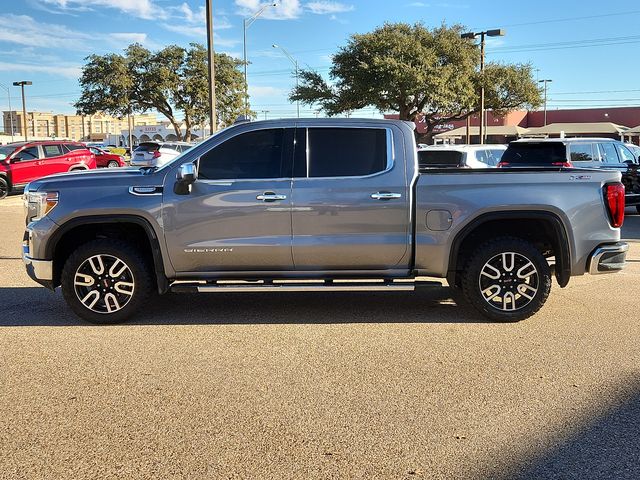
(21, 84)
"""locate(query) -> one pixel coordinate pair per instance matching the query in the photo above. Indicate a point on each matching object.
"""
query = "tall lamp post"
(546, 81)
(24, 105)
(498, 32)
(246, 23)
(295, 64)
(10, 111)
(212, 71)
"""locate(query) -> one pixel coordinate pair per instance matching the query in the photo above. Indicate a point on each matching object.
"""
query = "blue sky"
(589, 48)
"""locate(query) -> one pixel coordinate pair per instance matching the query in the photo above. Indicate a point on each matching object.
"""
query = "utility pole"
(295, 64)
(488, 33)
(246, 23)
(545, 81)
(21, 84)
(265, 113)
(212, 70)
(10, 111)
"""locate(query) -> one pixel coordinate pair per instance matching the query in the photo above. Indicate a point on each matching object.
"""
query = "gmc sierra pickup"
(279, 205)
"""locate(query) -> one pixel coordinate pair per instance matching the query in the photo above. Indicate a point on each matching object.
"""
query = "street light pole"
(10, 111)
(546, 81)
(246, 23)
(21, 84)
(212, 70)
(295, 64)
(488, 33)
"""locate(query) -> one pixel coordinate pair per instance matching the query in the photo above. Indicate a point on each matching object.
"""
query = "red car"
(23, 162)
(107, 159)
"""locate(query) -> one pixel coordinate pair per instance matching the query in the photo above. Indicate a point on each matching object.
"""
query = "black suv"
(579, 153)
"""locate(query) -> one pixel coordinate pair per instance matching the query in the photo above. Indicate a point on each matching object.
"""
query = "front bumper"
(40, 271)
(608, 258)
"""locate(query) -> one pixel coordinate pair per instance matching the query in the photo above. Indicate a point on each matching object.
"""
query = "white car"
(460, 156)
(156, 154)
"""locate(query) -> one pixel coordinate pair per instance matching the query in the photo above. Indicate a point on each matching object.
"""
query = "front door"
(238, 214)
(26, 165)
(350, 200)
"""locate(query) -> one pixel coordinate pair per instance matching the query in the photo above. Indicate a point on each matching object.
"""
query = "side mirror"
(187, 174)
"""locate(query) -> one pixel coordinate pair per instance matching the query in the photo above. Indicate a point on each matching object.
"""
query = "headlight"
(39, 204)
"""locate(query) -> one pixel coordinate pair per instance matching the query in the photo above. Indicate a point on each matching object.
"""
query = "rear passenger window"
(608, 152)
(256, 154)
(626, 154)
(581, 152)
(52, 150)
(345, 152)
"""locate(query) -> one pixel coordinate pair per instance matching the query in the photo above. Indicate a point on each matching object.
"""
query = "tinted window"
(30, 153)
(6, 151)
(581, 152)
(531, 153)
(342, 152)
(608, 153)
(147, 147)
(626, 154)
(52, 150)
(74, 146)
(493, 157)
(257, 154)
(439, 158)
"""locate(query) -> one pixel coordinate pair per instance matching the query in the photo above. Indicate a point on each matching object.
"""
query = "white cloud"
(285, 10)
(69, 71)
(35, 34)
(325, 7)
(263, 91)
(139, 8)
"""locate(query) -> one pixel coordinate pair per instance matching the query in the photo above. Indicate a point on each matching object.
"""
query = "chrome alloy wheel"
(104, 283)
(509, 281)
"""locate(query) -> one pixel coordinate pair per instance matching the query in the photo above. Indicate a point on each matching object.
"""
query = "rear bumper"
(608, 258)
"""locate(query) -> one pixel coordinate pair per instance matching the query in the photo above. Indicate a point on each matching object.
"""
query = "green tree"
(419, 73)
(172, 81)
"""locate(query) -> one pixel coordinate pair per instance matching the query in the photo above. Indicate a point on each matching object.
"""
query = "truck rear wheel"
(507, 279)
(105, 281)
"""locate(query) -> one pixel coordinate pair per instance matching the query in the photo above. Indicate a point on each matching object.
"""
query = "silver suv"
(156, 154)
(465, 156)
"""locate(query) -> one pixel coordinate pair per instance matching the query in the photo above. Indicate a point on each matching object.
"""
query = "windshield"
(6, 151)
(534, 153)
(177, 159)
(439, 158)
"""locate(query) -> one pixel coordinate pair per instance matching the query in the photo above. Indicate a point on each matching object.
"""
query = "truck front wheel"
(507, 279)
(105, 281)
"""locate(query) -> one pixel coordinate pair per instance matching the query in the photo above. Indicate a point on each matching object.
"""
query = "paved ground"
(318, 386)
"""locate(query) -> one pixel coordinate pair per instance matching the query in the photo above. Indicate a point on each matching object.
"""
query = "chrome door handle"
(385, 195)
(270, 197)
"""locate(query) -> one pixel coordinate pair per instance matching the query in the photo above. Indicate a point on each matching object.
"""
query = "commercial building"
(73, 127)
(603, 122)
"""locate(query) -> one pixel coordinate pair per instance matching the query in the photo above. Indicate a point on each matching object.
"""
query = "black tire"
(4, 188)
(510, 265)
(112, 164)
(118, 295)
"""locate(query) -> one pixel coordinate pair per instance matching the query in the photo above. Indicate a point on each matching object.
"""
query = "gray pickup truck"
(324, 204)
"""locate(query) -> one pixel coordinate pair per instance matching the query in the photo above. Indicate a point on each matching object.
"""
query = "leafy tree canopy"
(172, 81)
(416, 72)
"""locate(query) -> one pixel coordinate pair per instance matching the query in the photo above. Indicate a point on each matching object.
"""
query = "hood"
(97, 179)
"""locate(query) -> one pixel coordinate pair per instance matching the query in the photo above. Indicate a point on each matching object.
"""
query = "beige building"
(73, 127)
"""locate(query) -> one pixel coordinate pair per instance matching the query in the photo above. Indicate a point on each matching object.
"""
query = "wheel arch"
(81, 229)
(541, 225)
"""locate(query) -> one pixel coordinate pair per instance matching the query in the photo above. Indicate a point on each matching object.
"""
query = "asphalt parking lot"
(320, 386)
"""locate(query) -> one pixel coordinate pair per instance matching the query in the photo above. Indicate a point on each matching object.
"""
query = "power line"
(569, 19)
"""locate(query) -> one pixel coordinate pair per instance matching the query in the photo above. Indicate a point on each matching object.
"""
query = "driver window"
(30, 153)
(256, 154)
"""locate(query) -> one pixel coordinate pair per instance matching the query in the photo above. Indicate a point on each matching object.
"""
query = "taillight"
(563, 164)
(614, 199)
(156, 154)
(503, 164)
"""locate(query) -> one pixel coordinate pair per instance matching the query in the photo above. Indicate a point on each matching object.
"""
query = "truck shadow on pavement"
(631, 227)
(604, 447)
(35, 306)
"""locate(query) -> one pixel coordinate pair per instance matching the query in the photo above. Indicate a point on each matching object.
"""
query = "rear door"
(584, 155)
(56, 159)
(26, 165)
(350, 208)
